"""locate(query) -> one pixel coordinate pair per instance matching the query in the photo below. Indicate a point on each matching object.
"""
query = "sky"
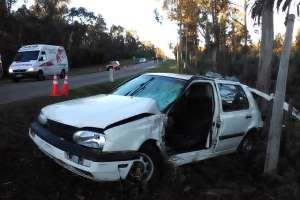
(138, 15)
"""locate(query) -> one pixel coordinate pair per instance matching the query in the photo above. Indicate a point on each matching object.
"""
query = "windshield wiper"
(139, 88)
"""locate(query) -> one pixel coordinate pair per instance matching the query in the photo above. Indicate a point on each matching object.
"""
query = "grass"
(26, 173)
(168, 66)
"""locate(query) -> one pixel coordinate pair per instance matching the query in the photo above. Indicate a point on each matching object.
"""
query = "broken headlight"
(89, 139)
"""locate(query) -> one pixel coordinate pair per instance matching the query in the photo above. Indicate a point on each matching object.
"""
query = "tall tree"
(50, 8)
(3, 8)
(263, 11)
(9, 4)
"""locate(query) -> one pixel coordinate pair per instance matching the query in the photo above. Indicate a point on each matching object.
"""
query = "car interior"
(190, 119)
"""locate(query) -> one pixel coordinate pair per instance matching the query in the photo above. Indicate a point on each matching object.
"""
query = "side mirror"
(41, 58)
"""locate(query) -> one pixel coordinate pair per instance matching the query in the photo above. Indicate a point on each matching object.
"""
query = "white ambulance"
(39, 61)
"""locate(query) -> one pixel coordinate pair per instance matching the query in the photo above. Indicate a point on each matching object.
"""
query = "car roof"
(173, 75)
(194, 77)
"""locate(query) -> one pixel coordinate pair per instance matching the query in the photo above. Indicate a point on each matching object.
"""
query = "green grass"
(168, 66)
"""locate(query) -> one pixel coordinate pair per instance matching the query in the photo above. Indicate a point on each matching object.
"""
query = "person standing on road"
(1, 67)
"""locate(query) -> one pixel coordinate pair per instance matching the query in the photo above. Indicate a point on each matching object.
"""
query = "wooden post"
(273, 147)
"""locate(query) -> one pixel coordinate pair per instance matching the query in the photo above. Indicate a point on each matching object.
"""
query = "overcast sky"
(138, 15)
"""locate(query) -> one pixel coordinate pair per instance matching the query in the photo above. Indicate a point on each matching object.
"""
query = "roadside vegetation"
(26, 173)
(86, 37)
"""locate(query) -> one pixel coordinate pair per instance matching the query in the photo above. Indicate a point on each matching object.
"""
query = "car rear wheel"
(247, 147)
(62, 74)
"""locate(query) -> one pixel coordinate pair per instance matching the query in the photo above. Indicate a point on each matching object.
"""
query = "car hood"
(22, 65)
(99, 111)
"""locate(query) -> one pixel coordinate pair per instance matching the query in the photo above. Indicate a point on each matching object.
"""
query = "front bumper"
(23, 74)
(80, 160)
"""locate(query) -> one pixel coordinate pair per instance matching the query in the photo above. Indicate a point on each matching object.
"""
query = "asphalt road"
(26, 89)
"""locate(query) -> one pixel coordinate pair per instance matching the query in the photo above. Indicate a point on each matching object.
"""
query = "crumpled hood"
(99, 111)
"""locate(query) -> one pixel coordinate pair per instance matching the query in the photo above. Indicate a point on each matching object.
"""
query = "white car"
(113, 65)
(142, 60)
(39, 61)
(123, 135)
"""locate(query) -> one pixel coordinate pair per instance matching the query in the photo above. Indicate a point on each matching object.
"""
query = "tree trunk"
(267, 37)
(215, 48)
(245, 23)
(214, 59)
(273, 147)
(3, 8)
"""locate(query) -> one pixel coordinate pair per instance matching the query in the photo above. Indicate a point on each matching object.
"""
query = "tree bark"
(267, 37)
(216, 45)
(273, 147)
(3, 8)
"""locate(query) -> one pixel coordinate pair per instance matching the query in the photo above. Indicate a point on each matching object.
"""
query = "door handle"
(248, 116)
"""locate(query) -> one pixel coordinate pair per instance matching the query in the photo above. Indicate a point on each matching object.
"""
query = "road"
(26, 89)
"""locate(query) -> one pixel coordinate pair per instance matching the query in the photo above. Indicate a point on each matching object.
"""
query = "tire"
(40, 75)
(62, 74)
(247, 148)
(15, 79)
(147, 166)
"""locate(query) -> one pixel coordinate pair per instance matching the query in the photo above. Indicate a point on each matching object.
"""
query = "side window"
(233, 98)
(43, 56)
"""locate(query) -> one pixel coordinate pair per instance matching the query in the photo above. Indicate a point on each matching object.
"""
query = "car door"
(44, 64)
(235, 116)
(207, 152)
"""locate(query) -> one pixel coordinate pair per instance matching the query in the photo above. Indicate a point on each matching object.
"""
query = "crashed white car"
(123, 135)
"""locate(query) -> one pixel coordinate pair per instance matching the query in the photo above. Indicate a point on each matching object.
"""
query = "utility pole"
(273, 147)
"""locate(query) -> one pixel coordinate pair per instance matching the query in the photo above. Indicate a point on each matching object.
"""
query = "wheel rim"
(142, 169)
(62, 74)
(247, 146)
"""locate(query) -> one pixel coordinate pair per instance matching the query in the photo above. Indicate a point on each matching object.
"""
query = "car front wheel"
(145, 168)
(40, 75)
(15, 79)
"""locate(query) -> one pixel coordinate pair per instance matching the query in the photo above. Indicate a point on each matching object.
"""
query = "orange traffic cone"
(65, 89)
(55, 90)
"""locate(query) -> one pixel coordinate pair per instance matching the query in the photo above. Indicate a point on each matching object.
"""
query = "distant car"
(142, 60)
(126, 134)
(39, 61)
(114, 65)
